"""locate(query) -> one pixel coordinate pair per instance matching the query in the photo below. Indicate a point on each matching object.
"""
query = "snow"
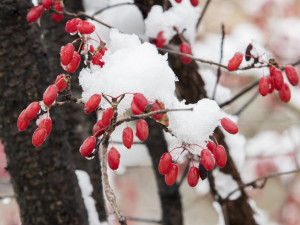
(218, 209)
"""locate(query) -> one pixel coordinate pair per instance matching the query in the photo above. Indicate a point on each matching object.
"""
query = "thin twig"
(185, 172)
(246, 104)
(112, 6)
(203, 13)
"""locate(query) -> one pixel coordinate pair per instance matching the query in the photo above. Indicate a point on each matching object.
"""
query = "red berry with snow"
(263, 86)
(23, 122)
(74, 63)
(88, 146)
(39, 137)
(32, 110)
(194, 2)
(285, 93)
(92, 49)
(171, 176)
(229, 126)
(61, 82)
(193, 176)
(140, 101)
(86, 27)
(96, 59)
(207, 159)
(107, 115)
(98, 129)
(160, 40)
(211, 146)
(47, 3)
(66, 54)
(127, 137)
(186, 49)
(271, 84)
(92, 104)
(278, 78)
(71, 25)
(50, 95)
(57, 17)
(235, 61)
(292, 75)
(220, 156)
(113, 158)
(142, 130)
(165, 162)
(46, 124)
(35, 13)
(156, 107)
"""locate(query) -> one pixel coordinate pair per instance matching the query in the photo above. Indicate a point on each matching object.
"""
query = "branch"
(111, 6)
(247, 104)
(203, 13)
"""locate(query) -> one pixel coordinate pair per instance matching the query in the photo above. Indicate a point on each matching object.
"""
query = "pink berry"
(207, 160)
(92, 104)
(278, 78)
(220, 156)
(50, 95)
(74, 63)
(39, 137)
(193, 176)
(156, 107)
(211, 146)
(127, 137)
(194, 2)
(61, 82)
(46, 124)
(142, 129)
(165, 162)
(47, 3)
(235, 61)
(229, 126)
(71, 25)
(113, 158)
(171, 176)
(23, 122)
(98, 129)
(88, 146)
(160, 40)
(107, 115)
(285, 93)
(291, 75)
(66, 53)
(271, 84)
(140, 101)
(57, 17)
(85, 27)
(263, 86)
(186, 49)
(32, 110)
(35, 13)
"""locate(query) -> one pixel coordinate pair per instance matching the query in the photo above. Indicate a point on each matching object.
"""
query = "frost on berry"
(71, 25)
(35, 13)
(92, 104)
(88, 146)
(193, 176)
(229, 126)
(160, 40)
(156, 107)
(113, 158)
(50, 95)
(235, 61)
(39, 136)
(263, 86)
(85, 27)
(171, 176)
(140, 101)
(165, 162)
(285, 93)
(61, 82)
(211, 146)
(46, 124)
(32, 110)
(142, 129)
(127, 137)
(66, 53)
(186, 49)
(271, 84)
(207, 159)
(278, 78)
(57, 17)
(194, 2)
(107, 115)
(292, 75)
(98, 129)
(22, 121)
(202, 172)
(74, 63)
(220, 156)
(47, 3)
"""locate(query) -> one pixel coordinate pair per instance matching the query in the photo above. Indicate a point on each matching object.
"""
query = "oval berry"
(71, 25)
(271, 84)
(142, 130)
(98, 129)
(186, 49)
(39, 137)
(278, 78)
(211, 146)
(194, 2)
(57, 17)
(291, 75)
(171, 176)
(35, 13)
(107, 115)
(47, 3)
(207, 160)
(235, 61)
(193, 176)
(46, 124)
(156, 107)
(285, 93)
(50, 95)
(74, 63)
(220, 156)
(92, 104)
(88, 146)
(61, 82)
(263, 86)
(127, 137)
(66, 53)
(86, 27)
(160, 40)
(23, 122)
(140, 101)
(113, 158)
(229, 126)
(32, 110)
(134, 109)
(165, 162)
(202, 172)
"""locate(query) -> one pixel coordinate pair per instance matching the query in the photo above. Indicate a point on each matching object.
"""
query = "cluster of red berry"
(193, 2)
(37, 11)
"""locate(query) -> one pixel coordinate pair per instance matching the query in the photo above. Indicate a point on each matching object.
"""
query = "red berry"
(32, 110)
(96, 59)
(186, 49)
(193, 176)
(22, 121)
(35, 13)
(194, 2)
(57, 17)
(107, 115)
(178, 1)
(235, 62)
(142, 130)
(207, 160)
(88, 146)
(278, 78)
(127, 137)
(229, 126)
(103, 50)
(291, 75)
(202, 172)
(211, 146)
(50, 95)
(171, 176)
(113, 158)
(285, 93)
(73, 65)
(271, 84)
(66, 53)
(140, 101)
(47, 3)
(92, 104)
(71, 25)
(61, 82)
(220, 156)
(39, 137)
(85, 27)
(98, 129)
(134, 109)
(160, 40)
(46, 124)
(263, 86)
(165, 162)
(92, 49)
(156, 107)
